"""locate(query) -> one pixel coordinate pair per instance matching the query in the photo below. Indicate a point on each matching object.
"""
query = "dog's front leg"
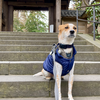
(70, 83)
(58, 81)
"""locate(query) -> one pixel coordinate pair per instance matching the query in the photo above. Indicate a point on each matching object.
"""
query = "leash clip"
(53, 49)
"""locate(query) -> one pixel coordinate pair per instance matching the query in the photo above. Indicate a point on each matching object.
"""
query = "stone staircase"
(22, 55)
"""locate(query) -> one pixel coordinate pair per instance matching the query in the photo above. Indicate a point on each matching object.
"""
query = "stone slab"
(90, 39)
(25, 69)
(24, 33)
(32, 35)
(87, 68)
(39, 42)
(42, 98)
(4, 69)
(41, 56)
(43, 48)
(33, 68)
(13, 86)
(31, 38)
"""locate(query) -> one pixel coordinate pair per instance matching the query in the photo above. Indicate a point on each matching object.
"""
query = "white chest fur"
(68, 50)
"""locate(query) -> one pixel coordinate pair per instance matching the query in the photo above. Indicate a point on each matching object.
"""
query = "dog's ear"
(61, 27)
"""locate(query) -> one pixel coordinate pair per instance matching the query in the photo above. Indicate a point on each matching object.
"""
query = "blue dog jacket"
(67, 64)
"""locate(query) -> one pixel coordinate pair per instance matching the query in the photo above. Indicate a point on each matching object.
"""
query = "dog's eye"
(66, 27)
(74, 28)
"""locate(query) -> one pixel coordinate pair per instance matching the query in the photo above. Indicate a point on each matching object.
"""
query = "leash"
(54, 47)
(54, 71)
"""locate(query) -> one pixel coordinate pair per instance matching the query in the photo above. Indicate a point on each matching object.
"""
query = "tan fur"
(62, 28)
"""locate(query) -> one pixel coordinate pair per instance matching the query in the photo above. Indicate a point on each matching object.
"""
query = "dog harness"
(67, 64)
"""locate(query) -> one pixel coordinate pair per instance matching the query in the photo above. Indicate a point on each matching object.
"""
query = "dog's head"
(67, 31)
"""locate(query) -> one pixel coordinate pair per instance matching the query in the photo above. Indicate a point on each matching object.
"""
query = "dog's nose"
(72, 32)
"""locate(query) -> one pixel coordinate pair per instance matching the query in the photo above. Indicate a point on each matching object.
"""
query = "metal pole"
(77, 19)
(94, 23)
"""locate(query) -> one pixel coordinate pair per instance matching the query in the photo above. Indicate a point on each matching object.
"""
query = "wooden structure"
(53, 6)
(69, 16)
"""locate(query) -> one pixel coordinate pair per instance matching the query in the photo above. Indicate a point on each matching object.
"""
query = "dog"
(64, 59)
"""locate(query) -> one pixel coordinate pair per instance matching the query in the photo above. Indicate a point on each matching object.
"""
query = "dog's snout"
(72, 32)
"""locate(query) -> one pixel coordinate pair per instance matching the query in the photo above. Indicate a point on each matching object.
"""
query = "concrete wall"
(90, 29)
(82, 25)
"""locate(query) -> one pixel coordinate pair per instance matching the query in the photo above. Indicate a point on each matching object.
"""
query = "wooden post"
(54, 17)
(0, 15)
(58, 14)
(6, 15)
(10, 19)
(51, 16)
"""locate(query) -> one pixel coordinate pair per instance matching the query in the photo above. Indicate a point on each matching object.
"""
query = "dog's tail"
(38, 74)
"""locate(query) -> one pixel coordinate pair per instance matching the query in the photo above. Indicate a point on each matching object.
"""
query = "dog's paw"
(70, 98)
(52, 78)
(62, 78)
(49, 78)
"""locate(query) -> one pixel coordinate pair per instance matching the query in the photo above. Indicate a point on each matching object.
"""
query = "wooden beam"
(58, 14)
(30, 4)
(64, 3)
(29, 0)
(31, 8)
(1, 15)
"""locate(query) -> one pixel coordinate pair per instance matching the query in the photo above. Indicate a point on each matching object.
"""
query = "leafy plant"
(78, 3)
(30, 21)
(98, 36)
(89, 12)
(36, 22)
(17, 25)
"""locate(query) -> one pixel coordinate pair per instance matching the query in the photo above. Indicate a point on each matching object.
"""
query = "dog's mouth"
(71, 36)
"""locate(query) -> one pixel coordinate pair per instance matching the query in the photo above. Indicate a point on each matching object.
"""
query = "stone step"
(23, 33)
(41, 56)
(64, 98)
(43, 48)
(19, 86)
(26, 33)
(40, 42)
(31, 38)
(30, 34)
(33, 67)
